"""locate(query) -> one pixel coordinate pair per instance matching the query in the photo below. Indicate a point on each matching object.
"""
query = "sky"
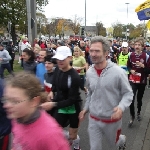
(105, 11)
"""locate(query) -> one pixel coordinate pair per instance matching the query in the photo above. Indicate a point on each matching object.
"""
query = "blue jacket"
(5, 124)
(40, 71)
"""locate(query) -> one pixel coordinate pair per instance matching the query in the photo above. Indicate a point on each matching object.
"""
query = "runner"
(123, 57)
(109, 95)
(32, 128)
(29, 63)
(4, 61)
(138, 66)
(66, 85)
(79, 64)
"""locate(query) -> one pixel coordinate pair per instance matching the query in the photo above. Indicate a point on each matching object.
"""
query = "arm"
(73, 95)
(125, 91)
(129, 65)
(147, 67)
(87, 103)
(83, 63)
(8, 57)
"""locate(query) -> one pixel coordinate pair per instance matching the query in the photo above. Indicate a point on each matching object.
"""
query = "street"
(129, 132)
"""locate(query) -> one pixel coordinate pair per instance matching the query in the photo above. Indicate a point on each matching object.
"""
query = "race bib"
(135, 78)
(67, 110)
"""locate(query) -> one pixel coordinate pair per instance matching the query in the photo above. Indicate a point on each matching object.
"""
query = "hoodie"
(108, 91)
(5, 56)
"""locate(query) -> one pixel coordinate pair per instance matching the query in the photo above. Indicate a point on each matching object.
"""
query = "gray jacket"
(5, 56)
(109, 90)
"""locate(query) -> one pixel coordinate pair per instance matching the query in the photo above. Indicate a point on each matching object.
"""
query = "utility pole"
(33, 16)
(29, 20)
(127, 22)
(85, 20)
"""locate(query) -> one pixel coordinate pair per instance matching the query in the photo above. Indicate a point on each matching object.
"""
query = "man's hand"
(117, 113)
(140, 64)
(133, 72)
(48, 105)
(1, 59)
(82, 115)
(50, 96)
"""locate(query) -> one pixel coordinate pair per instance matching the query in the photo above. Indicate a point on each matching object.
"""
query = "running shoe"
(131, 121)
(123, 147)
(138, 117)
(77, 149)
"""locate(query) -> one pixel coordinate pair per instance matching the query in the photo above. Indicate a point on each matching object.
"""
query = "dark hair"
(29, 53)
(48, 58)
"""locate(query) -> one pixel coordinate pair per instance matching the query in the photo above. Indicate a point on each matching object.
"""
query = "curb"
(141, 140)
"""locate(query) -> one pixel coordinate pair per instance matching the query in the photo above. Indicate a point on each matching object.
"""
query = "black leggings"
(82, 82)
(139, 89)
(65, 119)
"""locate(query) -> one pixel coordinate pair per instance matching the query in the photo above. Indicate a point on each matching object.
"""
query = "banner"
(143, 11)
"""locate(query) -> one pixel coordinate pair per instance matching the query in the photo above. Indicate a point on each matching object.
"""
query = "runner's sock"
(76, 142)
(66, 133)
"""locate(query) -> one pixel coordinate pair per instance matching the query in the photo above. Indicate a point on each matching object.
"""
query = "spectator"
(10, 49)
(40, 70)
(4, 61)
(29, 63)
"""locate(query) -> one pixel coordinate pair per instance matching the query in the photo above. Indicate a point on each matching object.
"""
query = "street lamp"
(127, 21)
(85, 17)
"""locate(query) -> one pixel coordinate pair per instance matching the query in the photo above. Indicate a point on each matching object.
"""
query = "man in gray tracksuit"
(109, 95)
(4, 61)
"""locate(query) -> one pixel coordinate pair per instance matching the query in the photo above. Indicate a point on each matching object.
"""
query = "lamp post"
(127, 21)
(29, 20)
(85, 18)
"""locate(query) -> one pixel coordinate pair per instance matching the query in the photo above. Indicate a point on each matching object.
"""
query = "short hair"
(48, 58)
(103, 40)
(139, 40)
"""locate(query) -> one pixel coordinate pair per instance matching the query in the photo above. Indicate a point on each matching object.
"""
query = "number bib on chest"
(135, 78)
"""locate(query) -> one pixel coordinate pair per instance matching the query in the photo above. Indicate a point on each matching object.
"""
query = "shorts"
(65, 119)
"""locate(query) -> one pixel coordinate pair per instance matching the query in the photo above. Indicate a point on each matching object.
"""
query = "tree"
(62, 26)
(118, 30)
(137, 32)
(41, 23)
(15, 12)
(101, 30)
(75, 24)
(50, 28)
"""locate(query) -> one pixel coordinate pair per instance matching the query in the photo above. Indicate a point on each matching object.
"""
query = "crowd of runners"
(41, 107)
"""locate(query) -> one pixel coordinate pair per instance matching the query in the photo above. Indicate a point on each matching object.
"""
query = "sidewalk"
(142, 139)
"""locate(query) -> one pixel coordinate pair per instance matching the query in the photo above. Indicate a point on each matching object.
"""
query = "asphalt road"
(129, 132)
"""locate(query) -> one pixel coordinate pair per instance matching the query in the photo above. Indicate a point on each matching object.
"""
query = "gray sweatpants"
(111, 131)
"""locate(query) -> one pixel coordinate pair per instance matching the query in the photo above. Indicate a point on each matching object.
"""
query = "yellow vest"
(122, 61)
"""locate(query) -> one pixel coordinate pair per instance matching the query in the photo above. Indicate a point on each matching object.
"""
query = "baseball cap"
(124, 44)
(62, 53)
